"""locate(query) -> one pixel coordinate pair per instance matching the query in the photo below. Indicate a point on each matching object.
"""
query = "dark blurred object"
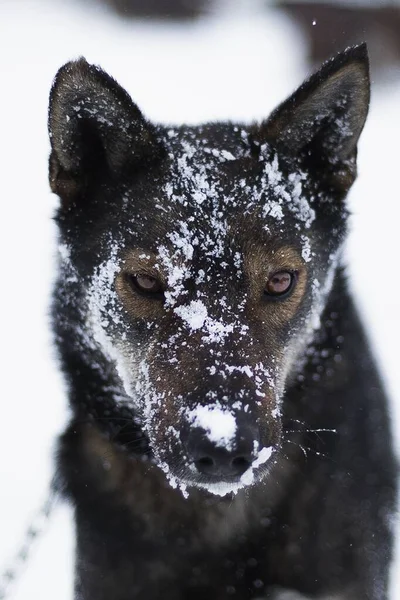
(330, 27)
(163, 9)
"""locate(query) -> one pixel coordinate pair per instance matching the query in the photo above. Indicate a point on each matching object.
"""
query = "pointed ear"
(93, 126)
(322, 121)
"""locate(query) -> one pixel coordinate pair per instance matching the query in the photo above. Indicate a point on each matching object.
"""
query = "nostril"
(240, 464)
(206, 461)
(205, 464)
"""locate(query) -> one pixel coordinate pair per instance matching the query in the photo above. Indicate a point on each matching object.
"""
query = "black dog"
(230, 434)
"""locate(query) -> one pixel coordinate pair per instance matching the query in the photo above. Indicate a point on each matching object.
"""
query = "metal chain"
(38, 525)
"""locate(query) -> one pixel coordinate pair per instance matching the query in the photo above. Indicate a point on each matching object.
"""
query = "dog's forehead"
(214, 192)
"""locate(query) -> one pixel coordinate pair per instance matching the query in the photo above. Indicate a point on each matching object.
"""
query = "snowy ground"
(236, 65)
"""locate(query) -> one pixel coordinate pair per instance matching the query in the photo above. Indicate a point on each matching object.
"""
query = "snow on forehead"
(198, 182)
(197, 164)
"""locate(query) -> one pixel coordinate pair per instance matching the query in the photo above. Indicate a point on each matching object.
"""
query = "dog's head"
(202, 256)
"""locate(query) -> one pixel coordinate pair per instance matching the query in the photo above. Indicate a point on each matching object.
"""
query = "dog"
(230, 435)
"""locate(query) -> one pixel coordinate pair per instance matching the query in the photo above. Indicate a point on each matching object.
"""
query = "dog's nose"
(220, 460)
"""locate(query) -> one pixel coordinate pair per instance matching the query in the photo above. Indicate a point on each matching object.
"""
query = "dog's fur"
(294, 496)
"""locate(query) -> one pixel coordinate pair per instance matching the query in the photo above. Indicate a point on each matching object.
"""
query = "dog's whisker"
(299, 446)
(306, 449)
(296, 421)
(137, 444)
(92, 420)
(310, 430)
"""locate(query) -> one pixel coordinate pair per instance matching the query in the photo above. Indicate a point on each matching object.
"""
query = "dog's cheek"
(165, 436)
(269, 421)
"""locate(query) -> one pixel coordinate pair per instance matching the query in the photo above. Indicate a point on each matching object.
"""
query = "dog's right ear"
(93, 126)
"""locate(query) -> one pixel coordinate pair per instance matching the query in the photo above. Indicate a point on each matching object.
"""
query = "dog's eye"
(146, 284)
(280, 284)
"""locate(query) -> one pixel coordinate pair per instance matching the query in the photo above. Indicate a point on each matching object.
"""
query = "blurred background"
(181, 60)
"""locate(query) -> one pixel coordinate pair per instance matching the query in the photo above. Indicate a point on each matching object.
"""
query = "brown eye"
(279, 284)
(146, 284)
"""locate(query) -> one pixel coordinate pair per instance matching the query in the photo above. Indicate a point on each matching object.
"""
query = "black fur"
(317, 519)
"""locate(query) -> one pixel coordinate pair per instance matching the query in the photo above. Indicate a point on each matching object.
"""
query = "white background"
(236, 65)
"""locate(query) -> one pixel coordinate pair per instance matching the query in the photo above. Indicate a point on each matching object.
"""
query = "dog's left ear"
(322, 121)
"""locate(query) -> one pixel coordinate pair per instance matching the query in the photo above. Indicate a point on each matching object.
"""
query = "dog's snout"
(222, 460)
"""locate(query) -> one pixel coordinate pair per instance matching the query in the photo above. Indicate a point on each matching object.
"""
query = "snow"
(239, 66)
(262, 457)
(218, 422)
(194, 315)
